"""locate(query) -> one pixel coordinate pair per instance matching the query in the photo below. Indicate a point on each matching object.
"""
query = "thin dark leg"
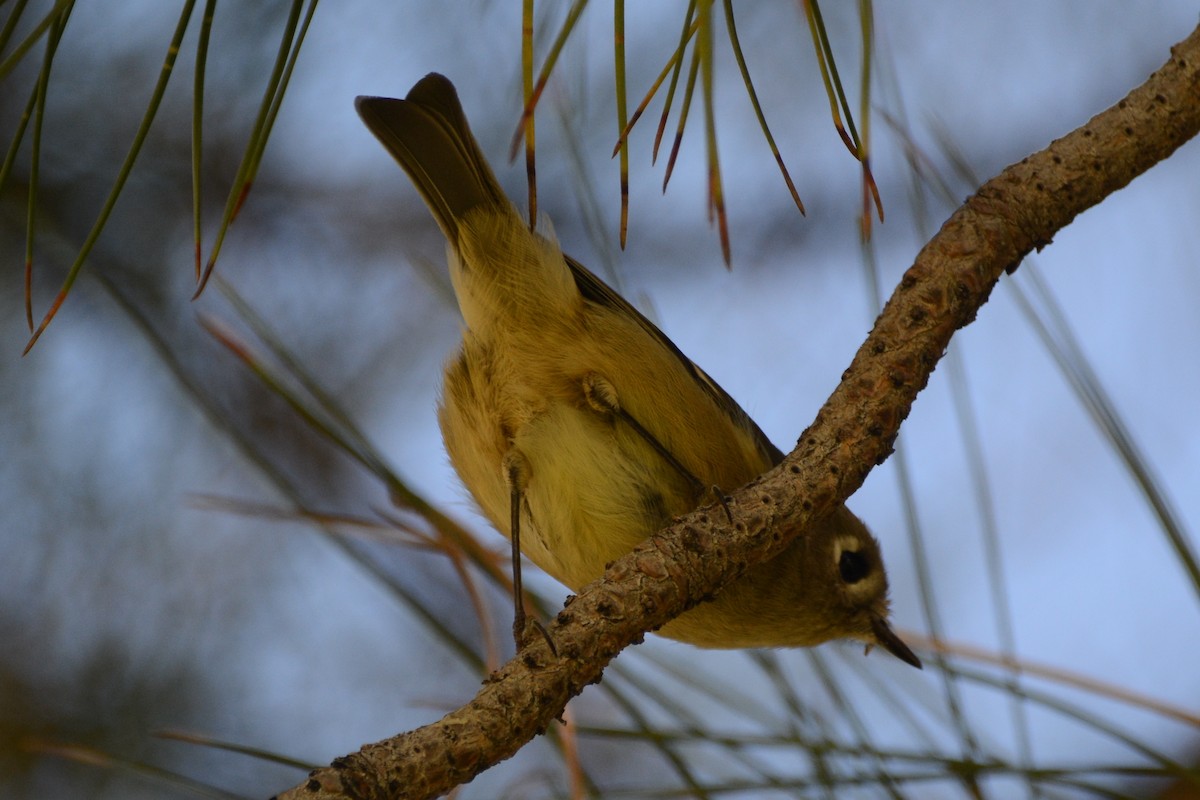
(518, 591)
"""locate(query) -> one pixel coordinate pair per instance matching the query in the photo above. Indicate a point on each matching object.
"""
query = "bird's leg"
(516, 475)
(602, 397)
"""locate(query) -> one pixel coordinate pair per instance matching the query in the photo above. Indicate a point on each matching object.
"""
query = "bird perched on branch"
(581, 429)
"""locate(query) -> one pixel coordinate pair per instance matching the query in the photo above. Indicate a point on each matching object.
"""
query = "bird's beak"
(891, 642)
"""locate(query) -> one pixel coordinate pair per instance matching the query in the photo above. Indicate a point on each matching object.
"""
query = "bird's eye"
(853, 566)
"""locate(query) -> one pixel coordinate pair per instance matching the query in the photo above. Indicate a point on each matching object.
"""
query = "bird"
(580, 429)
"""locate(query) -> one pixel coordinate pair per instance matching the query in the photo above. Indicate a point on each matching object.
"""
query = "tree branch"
(1014, 213)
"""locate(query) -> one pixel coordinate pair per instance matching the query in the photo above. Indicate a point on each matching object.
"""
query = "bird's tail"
(428, 134)
(509, 281)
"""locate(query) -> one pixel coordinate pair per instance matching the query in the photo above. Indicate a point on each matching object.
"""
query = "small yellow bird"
(580, 429)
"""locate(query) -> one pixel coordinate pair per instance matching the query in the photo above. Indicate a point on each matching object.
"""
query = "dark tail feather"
(428, 134)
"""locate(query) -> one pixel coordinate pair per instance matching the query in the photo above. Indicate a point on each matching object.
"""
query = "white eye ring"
(852, 565)
(845, 543)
